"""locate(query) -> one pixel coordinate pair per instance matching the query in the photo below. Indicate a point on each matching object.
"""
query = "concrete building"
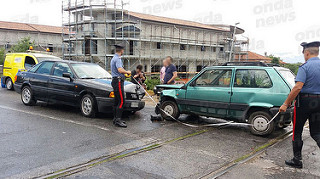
(44, 36)
(96, 25)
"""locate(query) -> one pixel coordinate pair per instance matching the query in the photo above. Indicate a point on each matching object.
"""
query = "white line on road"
(55, 118)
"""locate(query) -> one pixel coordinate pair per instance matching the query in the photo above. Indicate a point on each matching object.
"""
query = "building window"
(214, 49)
(50, 47)
(221, 49)
(200, 67)
(182, 68)
(131, 47)
(156, 68)
(203, 48)
(93, 47)
(159, 45)
(182, 47)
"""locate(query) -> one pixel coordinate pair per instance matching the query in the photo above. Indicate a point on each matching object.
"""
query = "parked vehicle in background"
(251, 94)
(20, 61)
(79, 84)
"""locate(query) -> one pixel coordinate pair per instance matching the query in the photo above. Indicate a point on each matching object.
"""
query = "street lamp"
(233, 39)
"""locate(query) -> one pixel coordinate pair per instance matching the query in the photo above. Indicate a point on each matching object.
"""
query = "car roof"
(34, 54)
(240, 67)
(66, 61)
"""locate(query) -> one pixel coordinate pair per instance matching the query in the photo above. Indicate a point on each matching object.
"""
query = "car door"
(61, 89)
(209, 94)
(250, 86)
(39, 80)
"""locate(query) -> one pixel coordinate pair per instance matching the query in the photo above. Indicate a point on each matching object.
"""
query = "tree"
(293, 67)
(2, 55)
(23, 45)
(275, 60)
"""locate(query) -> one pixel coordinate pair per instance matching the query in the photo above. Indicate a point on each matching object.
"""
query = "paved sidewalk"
(270, 164)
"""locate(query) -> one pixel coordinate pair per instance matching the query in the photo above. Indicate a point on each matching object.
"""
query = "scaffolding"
(92, 27)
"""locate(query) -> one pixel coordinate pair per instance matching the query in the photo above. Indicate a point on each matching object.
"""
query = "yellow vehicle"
(20, 61)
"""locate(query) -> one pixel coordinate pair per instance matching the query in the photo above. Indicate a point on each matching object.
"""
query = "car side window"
(45, 68)
(215, 78)
(29, 62)
(61, 68)
(35, 68)
(252, 79)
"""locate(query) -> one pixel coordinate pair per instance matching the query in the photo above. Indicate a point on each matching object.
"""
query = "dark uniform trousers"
(119, 100)
(307, 107)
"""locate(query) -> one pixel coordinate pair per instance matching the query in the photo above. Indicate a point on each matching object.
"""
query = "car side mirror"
(67, 75)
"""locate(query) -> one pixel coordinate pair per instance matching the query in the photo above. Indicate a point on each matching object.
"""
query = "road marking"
(55, 118)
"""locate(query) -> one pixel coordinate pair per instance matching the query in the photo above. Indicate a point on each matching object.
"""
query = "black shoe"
(119, 123)
(294, 163)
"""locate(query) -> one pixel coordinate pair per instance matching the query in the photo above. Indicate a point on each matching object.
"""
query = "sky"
(273, 26)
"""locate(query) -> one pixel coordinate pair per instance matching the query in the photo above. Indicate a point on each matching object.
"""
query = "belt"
(118, 77)
(310, 95)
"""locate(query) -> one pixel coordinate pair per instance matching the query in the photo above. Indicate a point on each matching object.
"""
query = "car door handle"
(231, 93)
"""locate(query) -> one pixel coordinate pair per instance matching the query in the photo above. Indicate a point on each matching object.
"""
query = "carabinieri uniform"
(118, 88)
(307, 105)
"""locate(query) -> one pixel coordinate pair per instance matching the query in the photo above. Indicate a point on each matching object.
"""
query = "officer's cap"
(121, 45)
(311, 44)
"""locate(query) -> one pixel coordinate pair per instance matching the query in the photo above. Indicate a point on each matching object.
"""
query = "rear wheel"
(259, 123)
(27, 96)
(171, 110)
(9, 84)
(88, 106)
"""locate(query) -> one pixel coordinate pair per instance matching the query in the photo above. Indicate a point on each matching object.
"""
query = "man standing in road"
(117, 72)
(307, 105)
(171, 72)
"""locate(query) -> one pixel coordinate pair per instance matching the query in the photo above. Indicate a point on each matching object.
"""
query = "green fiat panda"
(236, 92)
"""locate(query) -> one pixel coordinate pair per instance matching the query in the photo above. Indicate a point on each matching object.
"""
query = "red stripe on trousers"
(120, 95)
(294, 120)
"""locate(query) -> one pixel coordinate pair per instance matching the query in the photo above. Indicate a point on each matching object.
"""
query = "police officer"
(307, 105)
(118, 77)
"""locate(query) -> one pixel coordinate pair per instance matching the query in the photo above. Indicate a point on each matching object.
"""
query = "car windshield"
(49, 58)
(90, 71)
(289, 76)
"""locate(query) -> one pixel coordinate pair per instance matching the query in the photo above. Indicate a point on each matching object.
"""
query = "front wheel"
(88, 106)
(259, 123)
(9, 84)
(27, 97)
(169, 110)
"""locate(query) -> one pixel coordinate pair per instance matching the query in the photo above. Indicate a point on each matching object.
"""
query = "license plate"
(134, 105)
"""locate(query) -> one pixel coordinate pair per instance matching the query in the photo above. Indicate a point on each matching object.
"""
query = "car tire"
(9, 84)
(88, 106)
(171, 108)
(27, 97)
(258, 121)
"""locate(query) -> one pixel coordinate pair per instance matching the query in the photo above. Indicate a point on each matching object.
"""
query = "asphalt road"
(44, 139)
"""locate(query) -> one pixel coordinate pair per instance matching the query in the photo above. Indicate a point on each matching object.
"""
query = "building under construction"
(92, 27)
